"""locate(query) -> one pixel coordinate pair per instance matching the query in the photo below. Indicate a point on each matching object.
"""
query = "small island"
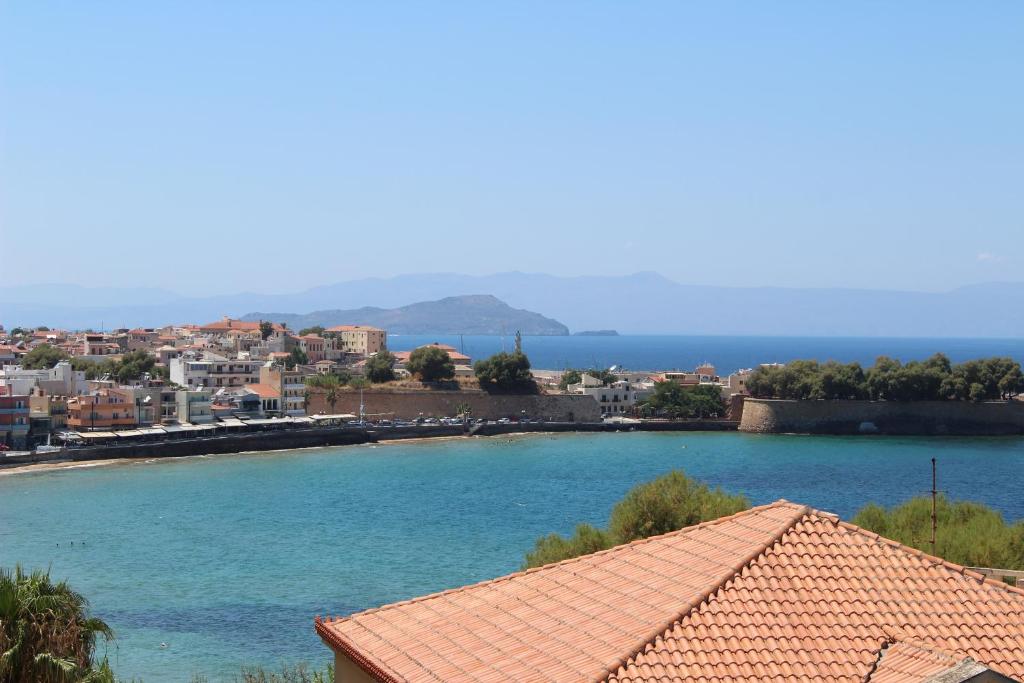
(596, 333)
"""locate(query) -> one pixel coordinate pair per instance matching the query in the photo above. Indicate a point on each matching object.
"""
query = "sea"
(204, 564)
(727, 354)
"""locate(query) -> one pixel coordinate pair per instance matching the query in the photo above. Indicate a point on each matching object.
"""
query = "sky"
(213, 147)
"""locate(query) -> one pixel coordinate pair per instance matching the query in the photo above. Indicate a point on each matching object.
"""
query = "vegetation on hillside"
(46, 633)
(934, 379)
(43, 357)
(315, 329)
(130, 366)
(505, 371)
(674, 401)
(430, 364)
(670, 502)
(968, 533)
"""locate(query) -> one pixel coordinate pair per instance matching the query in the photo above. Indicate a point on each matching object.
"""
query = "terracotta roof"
(227, 324)
(264, 390)
(353, 328)
(778, 592)
(908, 661)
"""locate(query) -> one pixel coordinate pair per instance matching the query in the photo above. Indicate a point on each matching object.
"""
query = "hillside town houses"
(199, 378)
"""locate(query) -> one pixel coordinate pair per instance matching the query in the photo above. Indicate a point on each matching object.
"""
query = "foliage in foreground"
(970, 534)
(46, 635)
(298, 673)
(670, 502)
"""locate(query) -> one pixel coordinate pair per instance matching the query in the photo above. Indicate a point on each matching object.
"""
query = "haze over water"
(227, 559)
(727, 354)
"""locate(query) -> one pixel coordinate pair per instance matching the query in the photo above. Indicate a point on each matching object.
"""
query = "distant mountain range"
(642, 303)
(472, 314)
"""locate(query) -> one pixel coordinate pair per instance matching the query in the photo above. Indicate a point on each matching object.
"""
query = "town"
(67, 389)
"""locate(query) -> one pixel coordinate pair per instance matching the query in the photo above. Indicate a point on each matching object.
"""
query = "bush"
(970, 534)
(380, 367)
(43, 357)
(670, 502)
(505, 371)
(431, 364)
(674, 401)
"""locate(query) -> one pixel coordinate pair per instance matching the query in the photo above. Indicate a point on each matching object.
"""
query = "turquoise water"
(227, 559)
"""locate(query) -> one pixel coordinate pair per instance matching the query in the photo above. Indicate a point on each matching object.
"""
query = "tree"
(505, 371)
(331, 386)
(296, 357)
(43, 357)
(674, 401)
(316, 329)
(266, 329)
(380, 367)
(569, 377)
(967, 533)
(431, 364)
(670, 502)
(46, 635)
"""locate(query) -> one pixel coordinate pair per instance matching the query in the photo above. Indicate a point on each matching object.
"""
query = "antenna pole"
(935, 493)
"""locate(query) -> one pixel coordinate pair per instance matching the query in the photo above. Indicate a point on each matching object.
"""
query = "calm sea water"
(726, 353)
(227, 559)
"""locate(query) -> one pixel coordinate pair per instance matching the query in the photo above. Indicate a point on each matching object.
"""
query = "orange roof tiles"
(353, 328)
(778, 592)
(906, 661)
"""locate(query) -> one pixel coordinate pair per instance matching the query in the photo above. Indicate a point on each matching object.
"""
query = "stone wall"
(882, 417)
(409, 404)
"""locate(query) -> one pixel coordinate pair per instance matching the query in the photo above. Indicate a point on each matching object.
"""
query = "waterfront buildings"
(102, 410)
(780, 592)
(14, 418)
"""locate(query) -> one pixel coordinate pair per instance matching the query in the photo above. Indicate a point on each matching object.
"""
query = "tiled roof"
(353, 328)
(907, 661)
(779, 592)
(263, 390)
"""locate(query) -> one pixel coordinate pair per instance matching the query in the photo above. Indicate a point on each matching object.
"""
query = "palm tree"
(45, 633)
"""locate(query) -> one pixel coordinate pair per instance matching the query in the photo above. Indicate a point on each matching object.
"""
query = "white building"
(60, 380)
(617, 398)
(213, 371)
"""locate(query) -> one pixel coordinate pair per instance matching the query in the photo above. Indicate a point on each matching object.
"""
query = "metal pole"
(935, 522)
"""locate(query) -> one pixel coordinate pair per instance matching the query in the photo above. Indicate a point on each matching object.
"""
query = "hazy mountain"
(472, 314)
(632, 304)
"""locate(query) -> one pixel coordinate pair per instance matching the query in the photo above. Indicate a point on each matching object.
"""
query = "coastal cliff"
(773, 416)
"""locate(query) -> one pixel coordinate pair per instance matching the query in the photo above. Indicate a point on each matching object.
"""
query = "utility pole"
(935, 519)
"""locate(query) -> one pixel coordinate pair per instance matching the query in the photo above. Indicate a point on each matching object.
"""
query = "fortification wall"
(882, 417)
(408, 405)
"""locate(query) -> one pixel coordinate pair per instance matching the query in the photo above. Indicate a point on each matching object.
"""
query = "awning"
(96, 436)
(128, 434)
(154, 431)
(231, 422)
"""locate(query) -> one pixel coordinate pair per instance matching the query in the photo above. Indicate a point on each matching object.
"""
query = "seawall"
(772, 416)
(409, 404)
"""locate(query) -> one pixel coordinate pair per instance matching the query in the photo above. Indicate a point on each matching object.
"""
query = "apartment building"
(14, 418)
(54, 409)
(213, 371)
(359, 339)
(288, 385)
(195, 406)
(102, 410)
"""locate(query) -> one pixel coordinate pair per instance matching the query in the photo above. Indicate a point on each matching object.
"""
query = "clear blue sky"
(270, 146)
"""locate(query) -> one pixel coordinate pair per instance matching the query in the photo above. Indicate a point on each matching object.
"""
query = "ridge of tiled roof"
(785, 515)
(910, 660)
(649, 663)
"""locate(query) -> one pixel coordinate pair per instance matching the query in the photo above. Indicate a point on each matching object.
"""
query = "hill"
(641, 303)
(470, 314)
